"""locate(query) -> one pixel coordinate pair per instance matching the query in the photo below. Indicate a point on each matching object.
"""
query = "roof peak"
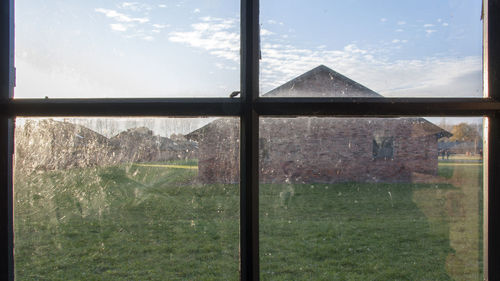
(322, 81)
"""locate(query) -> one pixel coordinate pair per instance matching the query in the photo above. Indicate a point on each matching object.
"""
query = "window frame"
(383, 150)
(249, 108)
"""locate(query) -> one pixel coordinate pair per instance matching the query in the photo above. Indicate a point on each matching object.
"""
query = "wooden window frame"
(249, 108)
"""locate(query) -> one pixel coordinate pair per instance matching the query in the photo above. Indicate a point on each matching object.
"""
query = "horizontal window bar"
(263, 106)
(121, 107)
(376, 106)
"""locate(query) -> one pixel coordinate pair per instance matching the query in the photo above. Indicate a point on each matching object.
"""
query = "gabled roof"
(422, 127)
(321, 81)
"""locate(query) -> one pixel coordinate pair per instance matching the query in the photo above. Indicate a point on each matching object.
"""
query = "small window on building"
(383, 148)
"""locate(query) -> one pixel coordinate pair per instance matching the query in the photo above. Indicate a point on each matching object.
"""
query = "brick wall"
(324, 150)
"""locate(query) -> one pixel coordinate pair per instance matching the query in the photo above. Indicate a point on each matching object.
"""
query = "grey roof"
(321, 81)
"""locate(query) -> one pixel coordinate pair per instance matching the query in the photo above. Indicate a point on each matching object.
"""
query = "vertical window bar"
(492, 64)
(6, 231)
(6, 139)
(249, 181)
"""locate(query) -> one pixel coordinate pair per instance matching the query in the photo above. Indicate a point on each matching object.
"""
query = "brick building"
(323, 149)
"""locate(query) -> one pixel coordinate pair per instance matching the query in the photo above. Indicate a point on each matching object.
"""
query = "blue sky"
(164, 48)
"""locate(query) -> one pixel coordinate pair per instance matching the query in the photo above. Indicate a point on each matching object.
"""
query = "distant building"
(52, 145)
(55, 145)
(140, 145)
(312, 149)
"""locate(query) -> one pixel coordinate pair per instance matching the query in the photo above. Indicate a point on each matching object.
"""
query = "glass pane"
(104, 48)
(124, 199)
(382, 48)
(371, 199)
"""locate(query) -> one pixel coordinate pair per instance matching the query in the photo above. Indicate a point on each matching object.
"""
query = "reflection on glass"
(96, 49)
(396, 48)
(121, 199)
(371, 199)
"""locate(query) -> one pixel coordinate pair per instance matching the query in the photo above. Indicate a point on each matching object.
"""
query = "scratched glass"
(138, 49)
(125, 199)
(391, 48)
(371, 198)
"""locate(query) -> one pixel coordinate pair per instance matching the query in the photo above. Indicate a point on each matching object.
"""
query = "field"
(140, 222)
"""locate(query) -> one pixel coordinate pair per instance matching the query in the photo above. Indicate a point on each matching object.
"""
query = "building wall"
(305, 150)
(218, 159)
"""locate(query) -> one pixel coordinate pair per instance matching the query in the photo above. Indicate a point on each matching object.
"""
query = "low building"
(323, 149)
(48, 144)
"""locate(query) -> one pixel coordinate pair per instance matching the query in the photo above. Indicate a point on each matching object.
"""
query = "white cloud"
(225, 67)
(220, 37)
(374, 68)
(433, 76)
(265, 32)
(274, 22)
(383, 19)
(399, 30)
(162, 6)
(196, 11)
(132, 26)
(129, 4)
(118, 27)
(352, 48)
(159, 26)
(112, 14)
(430, 31)
(141, 36)
(428, 25)
(445, 24)
(135, 6)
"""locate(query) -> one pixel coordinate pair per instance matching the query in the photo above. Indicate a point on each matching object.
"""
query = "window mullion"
(352, 107)
(6, 140)
(123, 107)
(249, 135)
(263, 106)
(491, 175)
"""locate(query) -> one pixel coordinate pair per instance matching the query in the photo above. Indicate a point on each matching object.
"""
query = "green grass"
(125, 223)
(350, 232)
(459, 158)
(446, 171)
(132, 222)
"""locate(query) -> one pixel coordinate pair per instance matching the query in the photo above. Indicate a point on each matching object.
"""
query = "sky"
(187, 48)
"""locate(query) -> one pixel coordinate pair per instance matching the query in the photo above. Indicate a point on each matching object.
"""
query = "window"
(249, 108)
(383, 148)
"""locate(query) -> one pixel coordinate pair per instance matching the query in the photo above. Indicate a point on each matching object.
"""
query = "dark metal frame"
(249, 107)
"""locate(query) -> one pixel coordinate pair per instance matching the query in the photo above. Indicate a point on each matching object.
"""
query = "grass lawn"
(458, 158)
(132, 222)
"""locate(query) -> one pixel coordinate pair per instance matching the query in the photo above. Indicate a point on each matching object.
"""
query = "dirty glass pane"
(108, 48)
(331, 209)
(386, 48)
(125, 199)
